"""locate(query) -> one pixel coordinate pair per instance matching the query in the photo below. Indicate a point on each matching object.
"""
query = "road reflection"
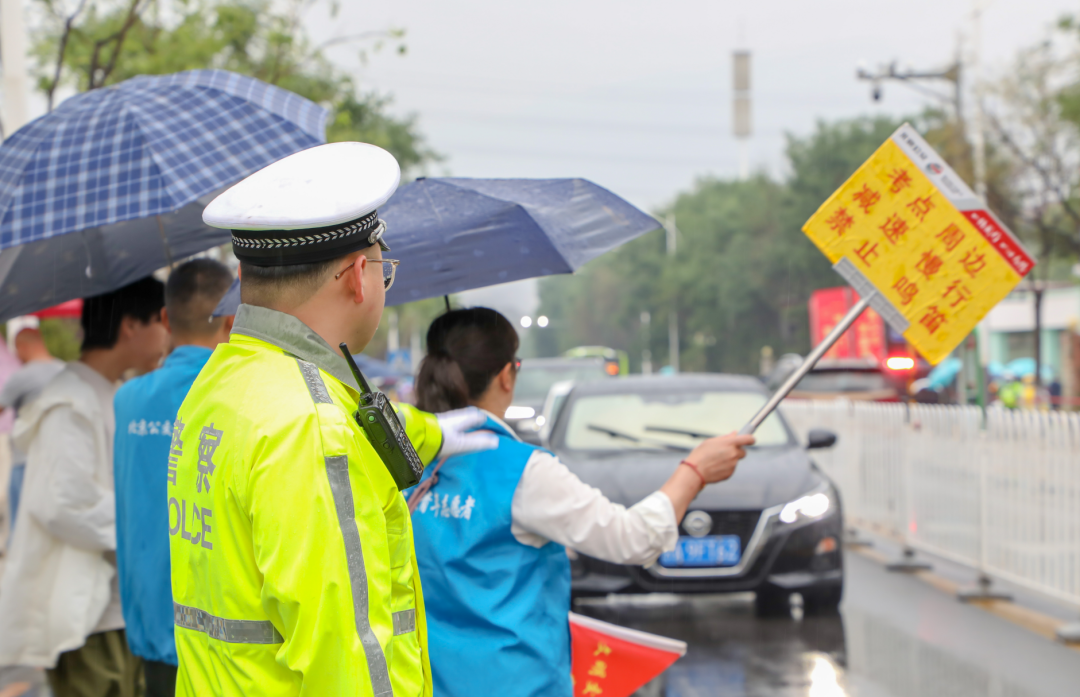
(733, 652)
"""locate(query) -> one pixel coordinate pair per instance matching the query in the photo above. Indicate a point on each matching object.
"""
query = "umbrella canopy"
(90, 262)
(944, 373)
(1023, 367)
(454, 234)
(82, 187)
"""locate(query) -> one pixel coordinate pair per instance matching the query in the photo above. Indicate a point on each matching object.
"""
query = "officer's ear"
(355, 278)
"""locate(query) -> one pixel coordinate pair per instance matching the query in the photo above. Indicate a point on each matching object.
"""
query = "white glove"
(457, 438)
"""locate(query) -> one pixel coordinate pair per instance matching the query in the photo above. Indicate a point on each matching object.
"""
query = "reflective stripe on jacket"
(292, 556)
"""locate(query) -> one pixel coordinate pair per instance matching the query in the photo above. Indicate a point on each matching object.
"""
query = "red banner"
(865, 339)
(1002, 240)
(613, 661)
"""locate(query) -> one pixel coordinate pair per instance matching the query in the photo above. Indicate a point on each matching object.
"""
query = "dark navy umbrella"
(454, 234)
(111, 185)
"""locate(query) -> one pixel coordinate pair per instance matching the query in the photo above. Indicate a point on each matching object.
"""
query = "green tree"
(741, 275)
(101, 42)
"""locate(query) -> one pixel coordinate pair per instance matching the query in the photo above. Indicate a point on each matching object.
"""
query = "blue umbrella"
(453, 234)
(944, 373)
(1023, 367)
(111, 185)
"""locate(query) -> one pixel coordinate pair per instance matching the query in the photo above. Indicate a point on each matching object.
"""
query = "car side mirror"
(820, 438)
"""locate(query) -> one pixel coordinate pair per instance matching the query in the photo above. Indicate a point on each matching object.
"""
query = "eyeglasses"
(389, 270)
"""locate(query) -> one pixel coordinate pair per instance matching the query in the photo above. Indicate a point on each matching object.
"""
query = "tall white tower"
(741, 108)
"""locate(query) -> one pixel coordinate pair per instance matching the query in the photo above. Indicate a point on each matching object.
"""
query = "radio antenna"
(365, 388)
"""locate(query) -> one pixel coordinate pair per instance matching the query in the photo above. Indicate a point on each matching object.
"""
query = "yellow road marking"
(1031, 620)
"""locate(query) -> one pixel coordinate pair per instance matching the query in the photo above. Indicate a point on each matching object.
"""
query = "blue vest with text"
(497, 610)
(145, 409)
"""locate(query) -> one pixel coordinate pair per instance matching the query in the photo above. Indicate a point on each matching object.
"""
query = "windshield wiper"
(632, 438)
(679, 431)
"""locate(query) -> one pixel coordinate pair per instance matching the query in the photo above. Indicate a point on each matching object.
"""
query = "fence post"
(982, 589)
(907, 563)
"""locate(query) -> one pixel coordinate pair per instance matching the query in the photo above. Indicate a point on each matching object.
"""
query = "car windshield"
(843, 381)
(660, 421)
(534, 381)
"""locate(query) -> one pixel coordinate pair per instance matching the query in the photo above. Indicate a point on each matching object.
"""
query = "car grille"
(741, 523)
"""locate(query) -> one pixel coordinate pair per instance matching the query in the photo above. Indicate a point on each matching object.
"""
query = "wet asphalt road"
(896, 636)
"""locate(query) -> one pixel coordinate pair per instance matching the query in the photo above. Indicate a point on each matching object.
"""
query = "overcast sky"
(636, 95)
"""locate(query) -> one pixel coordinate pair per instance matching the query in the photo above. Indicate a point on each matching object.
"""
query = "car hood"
(768, 477)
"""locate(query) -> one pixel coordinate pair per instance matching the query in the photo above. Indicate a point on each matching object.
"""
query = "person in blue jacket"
(492, 533)
(146, 428)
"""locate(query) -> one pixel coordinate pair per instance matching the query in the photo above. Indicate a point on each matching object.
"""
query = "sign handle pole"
(809, 362)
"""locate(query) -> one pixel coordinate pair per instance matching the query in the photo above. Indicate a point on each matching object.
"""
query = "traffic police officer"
(292, 554)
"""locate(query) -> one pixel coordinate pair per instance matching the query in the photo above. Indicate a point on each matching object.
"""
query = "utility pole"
(741, 109)
(13, 61)
(646, 352)
(893, 72)
(955, 74)
(673, 318)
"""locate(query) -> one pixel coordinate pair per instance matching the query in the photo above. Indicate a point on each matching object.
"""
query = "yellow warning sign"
(904, 225)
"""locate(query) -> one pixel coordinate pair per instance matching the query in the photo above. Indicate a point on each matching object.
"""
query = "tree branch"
(117, 39)
(61, 52)
(1062, 199)
(380, 34)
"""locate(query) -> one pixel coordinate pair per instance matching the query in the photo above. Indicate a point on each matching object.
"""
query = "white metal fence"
(1004, 499)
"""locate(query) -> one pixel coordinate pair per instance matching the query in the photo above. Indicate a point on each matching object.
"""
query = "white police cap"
(315, 205)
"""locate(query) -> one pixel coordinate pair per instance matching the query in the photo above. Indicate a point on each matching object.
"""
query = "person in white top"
(59, 600)
(492, 529)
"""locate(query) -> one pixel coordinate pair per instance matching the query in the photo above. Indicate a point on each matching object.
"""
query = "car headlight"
(811, 506)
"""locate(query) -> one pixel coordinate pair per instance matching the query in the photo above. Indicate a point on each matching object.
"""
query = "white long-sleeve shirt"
(552, 504)
(58, 585)
(79, 508)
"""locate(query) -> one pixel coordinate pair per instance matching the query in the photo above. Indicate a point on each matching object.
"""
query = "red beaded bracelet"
(692, 466)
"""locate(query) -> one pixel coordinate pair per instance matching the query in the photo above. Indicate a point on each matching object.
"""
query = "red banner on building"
(613, 661)
(865, 339)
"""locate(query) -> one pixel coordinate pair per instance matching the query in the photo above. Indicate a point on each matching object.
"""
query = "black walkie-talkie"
(379, 421)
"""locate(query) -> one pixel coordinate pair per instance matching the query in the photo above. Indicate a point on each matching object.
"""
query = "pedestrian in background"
(59, 599)
(146, 430)
(38, 369)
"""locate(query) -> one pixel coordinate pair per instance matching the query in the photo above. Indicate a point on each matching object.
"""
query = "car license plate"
(713, 550)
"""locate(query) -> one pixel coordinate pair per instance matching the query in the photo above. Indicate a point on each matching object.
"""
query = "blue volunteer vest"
(145, 409)
(497, 610)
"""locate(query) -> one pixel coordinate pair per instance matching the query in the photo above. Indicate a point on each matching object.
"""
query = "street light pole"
(977, 144)
(13, 59)
(673, 317)
(646, 352)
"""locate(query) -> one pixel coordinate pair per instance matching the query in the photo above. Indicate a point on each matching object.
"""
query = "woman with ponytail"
(491, 529)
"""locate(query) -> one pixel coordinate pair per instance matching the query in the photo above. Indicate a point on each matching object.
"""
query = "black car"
(773, 528)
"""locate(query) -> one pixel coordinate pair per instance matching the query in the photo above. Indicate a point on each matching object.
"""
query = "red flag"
(613, 661)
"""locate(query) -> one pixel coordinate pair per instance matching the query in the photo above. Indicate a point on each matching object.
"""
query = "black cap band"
(307, 246)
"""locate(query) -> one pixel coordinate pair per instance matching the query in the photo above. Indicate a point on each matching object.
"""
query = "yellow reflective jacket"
(293, 570)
